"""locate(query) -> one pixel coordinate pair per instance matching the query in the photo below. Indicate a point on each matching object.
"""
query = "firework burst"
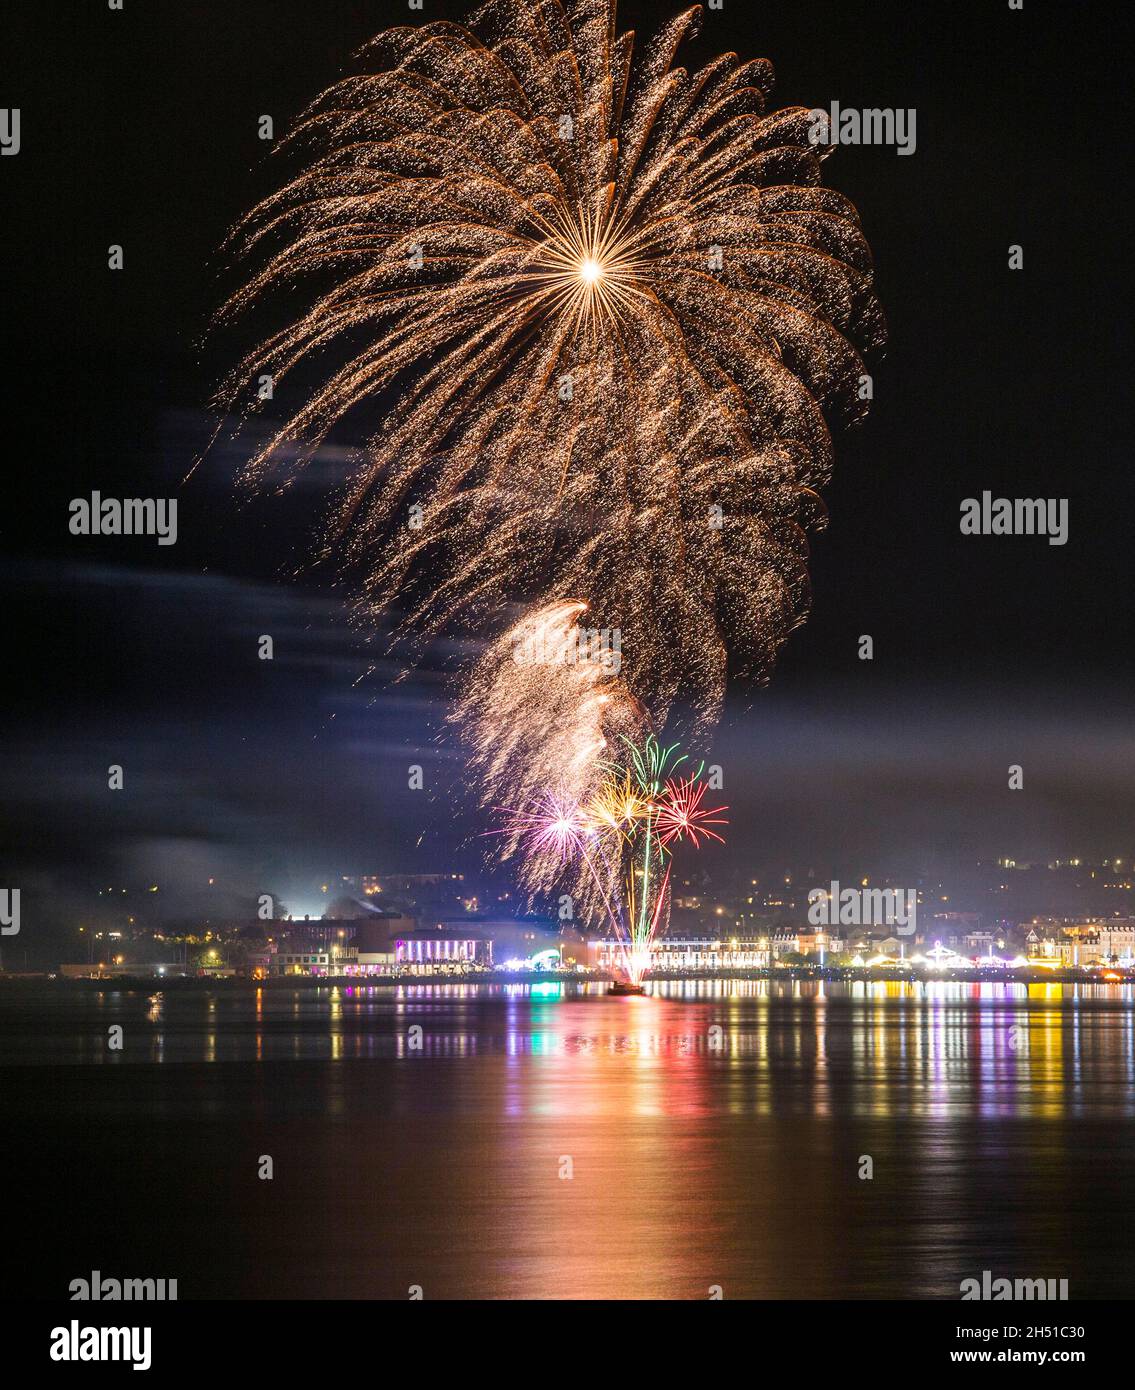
(602, 303)
(682, 816)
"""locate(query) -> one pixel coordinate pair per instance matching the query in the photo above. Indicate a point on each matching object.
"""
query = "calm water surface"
(714, 1134)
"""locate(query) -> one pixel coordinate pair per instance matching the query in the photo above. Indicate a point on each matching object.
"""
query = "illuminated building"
(805, 942)
(312, 962)
(1083, 943)
(431, 952)
(676, 954)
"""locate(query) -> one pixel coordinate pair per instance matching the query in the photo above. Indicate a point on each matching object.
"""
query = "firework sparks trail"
(603, 304)
(538, 723)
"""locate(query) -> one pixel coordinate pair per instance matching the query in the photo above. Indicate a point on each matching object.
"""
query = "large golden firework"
(600, 304)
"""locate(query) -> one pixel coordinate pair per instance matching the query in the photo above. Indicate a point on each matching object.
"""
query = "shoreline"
(793, 974)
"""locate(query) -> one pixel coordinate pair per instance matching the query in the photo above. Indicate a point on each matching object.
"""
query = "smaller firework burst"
(682, 816)
(623, 837)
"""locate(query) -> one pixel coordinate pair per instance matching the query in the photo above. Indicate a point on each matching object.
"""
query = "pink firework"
(552, 824)
(681, 815)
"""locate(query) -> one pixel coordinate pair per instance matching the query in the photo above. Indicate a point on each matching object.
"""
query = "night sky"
(140, 129)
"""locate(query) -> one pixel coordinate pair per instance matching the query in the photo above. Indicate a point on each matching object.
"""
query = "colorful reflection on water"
(713, 1132)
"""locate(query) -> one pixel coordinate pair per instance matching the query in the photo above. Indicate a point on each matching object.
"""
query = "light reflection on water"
(715, 1130)
(1008, 1048)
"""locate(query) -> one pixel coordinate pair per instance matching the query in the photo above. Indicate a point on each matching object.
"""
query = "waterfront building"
(316, 961)
(1083, 943)
(685, 953)
(429, 952)
(816, 942)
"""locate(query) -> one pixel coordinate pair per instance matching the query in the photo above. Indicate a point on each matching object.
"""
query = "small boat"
(625, 987)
